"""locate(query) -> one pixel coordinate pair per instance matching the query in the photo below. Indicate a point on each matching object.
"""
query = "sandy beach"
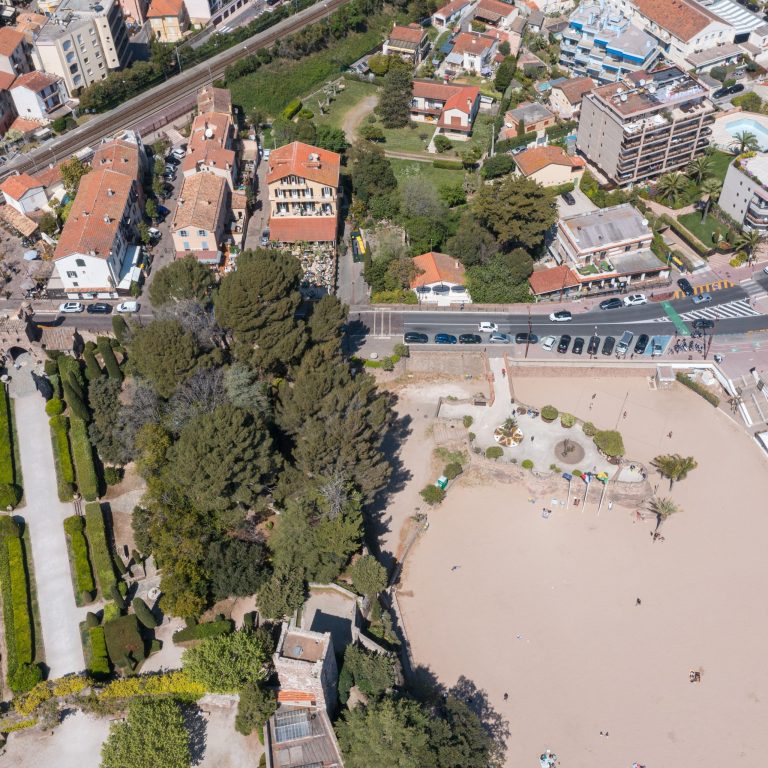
(545, 609)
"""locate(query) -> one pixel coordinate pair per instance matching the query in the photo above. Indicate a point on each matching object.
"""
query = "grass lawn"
(485, 85)
(354, 92)
(407, 169)
(702, 230)
(720, 163)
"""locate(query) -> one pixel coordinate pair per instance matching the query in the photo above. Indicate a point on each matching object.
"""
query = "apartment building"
(168, 20)
(744, 196)
(565, 98)
(7, 108)
(600, 42)
(648, 124)
(410, 43)
(303, 194)
(14, 52)
(82, 42)
(38, 96)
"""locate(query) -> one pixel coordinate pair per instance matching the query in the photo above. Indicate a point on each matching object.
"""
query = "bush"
(567, 420)
(175, 684)
(10, 495)
(699, 389)
(432, 494)
(517, 141)
(92, 368)
(120, 328)
(82, 453)
(526, 464)
(111, 611)
(292, 109)
(113, 475)
(442, 143)
(98, 663)
(589, 429)
(498, 165)
(125, 645)
(494, 452)
(549, 413)
(468, 421)
(202, 631)
(91, 620)
(453, 470)
(65, 472)
(143, 613)
(101, 554)
(117, 597)
(108, 356)
(609, 442)
(7, 475)
(54, 407)
(74, 527)
(471, 436)
(451, 165)
(25, 678)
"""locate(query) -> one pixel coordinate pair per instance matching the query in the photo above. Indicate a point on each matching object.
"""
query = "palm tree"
(700, 168)
(750, 240)
(711, 188)
(674, 466)
(744, 141)
(671, 186)
(663, 508)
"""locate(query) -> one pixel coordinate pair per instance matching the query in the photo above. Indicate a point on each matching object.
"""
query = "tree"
(237, 568)
(395, 99)
(472, 243)
(256, 304)
(164, 354)
(452, 194)
(256, 705)
(281, 595)
(442, 143)
(379, 64)
(144, 236)
(153, 735)
(373, 673)
(671, 186)
(327, 318)
(305, 131)
(369, 576)
(372, 174)
(711, 188)
(750, 240)
(246, 390)
(505, 73)
(498, 165)
(745, 141)
(503, 280)
(609, 442)
(226, 663)
(674, 466)
(184, 279)
(150, 208)
(107, 429)
(518, 211)
(371, 133)
(331, 138)
(700, 168)
(71, 172)
(749, 102)
(663, 508)
(48, 224)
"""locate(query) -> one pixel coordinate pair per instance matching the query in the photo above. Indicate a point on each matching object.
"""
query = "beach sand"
(545, 609)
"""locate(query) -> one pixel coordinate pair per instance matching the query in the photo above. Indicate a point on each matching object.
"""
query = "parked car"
(487, 327)
(71, 306)
(641, 344)
(561, 317)
(701, 298)
(548, 342)
(623, 346)
(445, 338)
(703, 322)
(500, 338)
(685, 287)
(765, 269)
(154, 233)
(594, 345)
(99, 308)
(656, 348)
(565, 342)
(720, 93)
(179, 153)
(737, 88)
(265, 237)
(412, 337)
(172, 160)
(578, 345)
(163, 213)
(608, 345)
(569, 198)
(470, 338)
(127, 307)
(526, 338)
(265, 153)
(635, 300)
(611, 304)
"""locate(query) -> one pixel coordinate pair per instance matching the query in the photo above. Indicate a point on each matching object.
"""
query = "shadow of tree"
(197, 726)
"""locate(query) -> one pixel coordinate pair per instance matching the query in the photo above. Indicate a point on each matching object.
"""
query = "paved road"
(44, 514)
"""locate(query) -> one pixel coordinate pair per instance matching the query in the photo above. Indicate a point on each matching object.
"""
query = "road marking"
(715, 285)
(739, 308)
(680, 326)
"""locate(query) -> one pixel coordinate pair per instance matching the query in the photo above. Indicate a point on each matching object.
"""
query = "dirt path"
(355, 116)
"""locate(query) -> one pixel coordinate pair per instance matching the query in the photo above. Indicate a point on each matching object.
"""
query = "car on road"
(561, 317)
(526, 338)
(569, 198)
(127, 307)
(594, 345)
(611, 304)
(265, 153)
(548, 342)
(265, 237)
(703, 322)
(500, 338)
(700, 298)
(765, 269)
(487, 327)
(565, 342)
(470, 338)
(445, 338)
(154, 233)
(635, 300)
(641, 344)
(71, 306)
(685, 287)
(578, 345)
(608, 345)
(412, 337)
(169, 176)
(99, 308)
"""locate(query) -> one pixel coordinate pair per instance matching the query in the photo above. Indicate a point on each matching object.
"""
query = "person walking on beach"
(638, 601)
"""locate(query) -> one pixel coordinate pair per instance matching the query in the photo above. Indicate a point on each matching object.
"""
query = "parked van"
(623, 346)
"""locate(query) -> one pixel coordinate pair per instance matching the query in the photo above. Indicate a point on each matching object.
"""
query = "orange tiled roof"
(24, 125)
(413, 33)
(574, 89)
(17, 186)
(306, 161)
(295, 696)
(6, 79)
(29, 23)
(454, 96)
(536, 158)
(680, 18)
(210, 153)
(302, 229)
(210, 126)
(10, 40)
(165, 8)
(448, 10)
(50, 175)
(437, 267)
(119, 155)
(201, 201)
(550, 280)
(495, 8)
(471, 42)
(35, 81)
(211, 99)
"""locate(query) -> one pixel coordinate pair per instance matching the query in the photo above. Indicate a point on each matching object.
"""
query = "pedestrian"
(638, 601)
(531, 438)
(506, 696)
(610, 506)
(625, 415)
(669, 435)
(594, 396)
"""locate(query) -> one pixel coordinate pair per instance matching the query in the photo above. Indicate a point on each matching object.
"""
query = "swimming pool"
(751, 126)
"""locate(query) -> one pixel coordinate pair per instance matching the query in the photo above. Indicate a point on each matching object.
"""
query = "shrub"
(577, 473)
(143, 613)
(91, 620)
(117, 597)
(517, 141)
(699, 389)
(111, 611)
(498, 165)
(402, 350)
(7, 475)
(176, 684)
(65, 473)
(451, 165)
(101, 555)
(74, 527)
(113, 475)
(25, 678)
(10, 495)
(108, 356)
(120, 328)
(589, 429)
(526, 464)
(92, 368)
(125, 645)
(549, 413)
(292, 109)
(155, 646)
(54, 407)
(468, 421)
(471, 436)
(202, 631)
(494, 452)
(567, 420)
(609, 442)
(98, 663)
(452, 470)
(82, 453)
(432, 494)
(442, 143)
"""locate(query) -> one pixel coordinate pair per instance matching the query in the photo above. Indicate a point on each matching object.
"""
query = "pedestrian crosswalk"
(754, 290)
(715, 285)
(740, 308)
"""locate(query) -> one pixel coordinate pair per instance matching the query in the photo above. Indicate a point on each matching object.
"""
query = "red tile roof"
(17, 186)
(295, 696)
(680, 18)
(437, 267)
(574, 89)
(308, 229)
(50, 175)
(454, 96)
(24, 125)
(35, 81)
(448, 10)
(210, 153)
(308, 162)
(494, 9)
(413, 33)
(119, 155)
(471, 42)
(211, 99)
(210, 126)
(536, 158)
(550, 280)
(6, 78)
(165, 8)
(202, 202)
(10, 40)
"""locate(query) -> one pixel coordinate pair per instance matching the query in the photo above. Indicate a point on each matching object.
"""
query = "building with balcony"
(744, 196)
(168, 20)
(472, 52)
(410, 43)
(38, 96)
(440, 279)
(565, 98)
(528, 117)
(600, 42)
(14, 52)
(451, 107)
(648, 124)
(550, 166)
(496, 13)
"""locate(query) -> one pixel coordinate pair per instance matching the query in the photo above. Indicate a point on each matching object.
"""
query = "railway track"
(178, 89)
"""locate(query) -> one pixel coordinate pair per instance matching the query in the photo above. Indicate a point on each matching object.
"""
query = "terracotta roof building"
(496, 13)
(14, 51)
(202, 212)
(121, 156)
(39, 96)
(24, 193)
(440, 279)
(550, 166)
(565, 98)
(410, 43)
(452, 107)
(168, 20)
(211, 99)
(548, 281)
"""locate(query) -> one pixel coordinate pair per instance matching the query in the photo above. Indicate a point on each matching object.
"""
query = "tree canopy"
(369, 576)
(395, 99)
(186, 278)
(503, 280)
(372, 174)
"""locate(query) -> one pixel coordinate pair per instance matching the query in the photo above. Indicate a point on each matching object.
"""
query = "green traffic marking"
(678, 322)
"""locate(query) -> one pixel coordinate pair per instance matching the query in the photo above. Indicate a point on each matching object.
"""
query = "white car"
(486, 327)
(561, 317)
(127, 307)
(71, 306)
(701, 298)
(179, 153)
(765, 269)
(500, 338)
(548, 342)
(635, 300)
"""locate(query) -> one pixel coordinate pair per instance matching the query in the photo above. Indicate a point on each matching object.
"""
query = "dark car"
(470, 338)
(703, 322)
(162, 213)
(569, 198)
(611, 304)
(641, 343)
(172, 160)
(415, 338)
(526, 338)
(720, 93)
(578, 345)
(100, 308)
(445, 338)
(594, 345)
(608, 345)
(565, 342)
(737, 88)
(685, 286)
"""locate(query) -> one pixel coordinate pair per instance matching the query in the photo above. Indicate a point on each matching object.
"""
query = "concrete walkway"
(44, 513)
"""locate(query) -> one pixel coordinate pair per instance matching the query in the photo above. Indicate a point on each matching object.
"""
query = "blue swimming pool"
(751, 126)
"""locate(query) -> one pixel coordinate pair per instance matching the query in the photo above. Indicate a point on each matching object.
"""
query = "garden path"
(44, 514)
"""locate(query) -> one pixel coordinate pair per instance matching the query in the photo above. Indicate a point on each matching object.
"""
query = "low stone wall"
(589, 369)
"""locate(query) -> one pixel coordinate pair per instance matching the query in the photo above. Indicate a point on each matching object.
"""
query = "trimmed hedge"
(98, 664)
(610, 442)
(143, 613)
(699, 389)
(75, 529)
(92, 368)
(82, 453)
(101, 555)
(108, 356)
(125, 645)
(54, 407)
(292, 109)
(10, 496)
(7, 475)
(203, 631)
(451, 165)
(549, 413)
(62, 458)
(687, 236)
(518, 141)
